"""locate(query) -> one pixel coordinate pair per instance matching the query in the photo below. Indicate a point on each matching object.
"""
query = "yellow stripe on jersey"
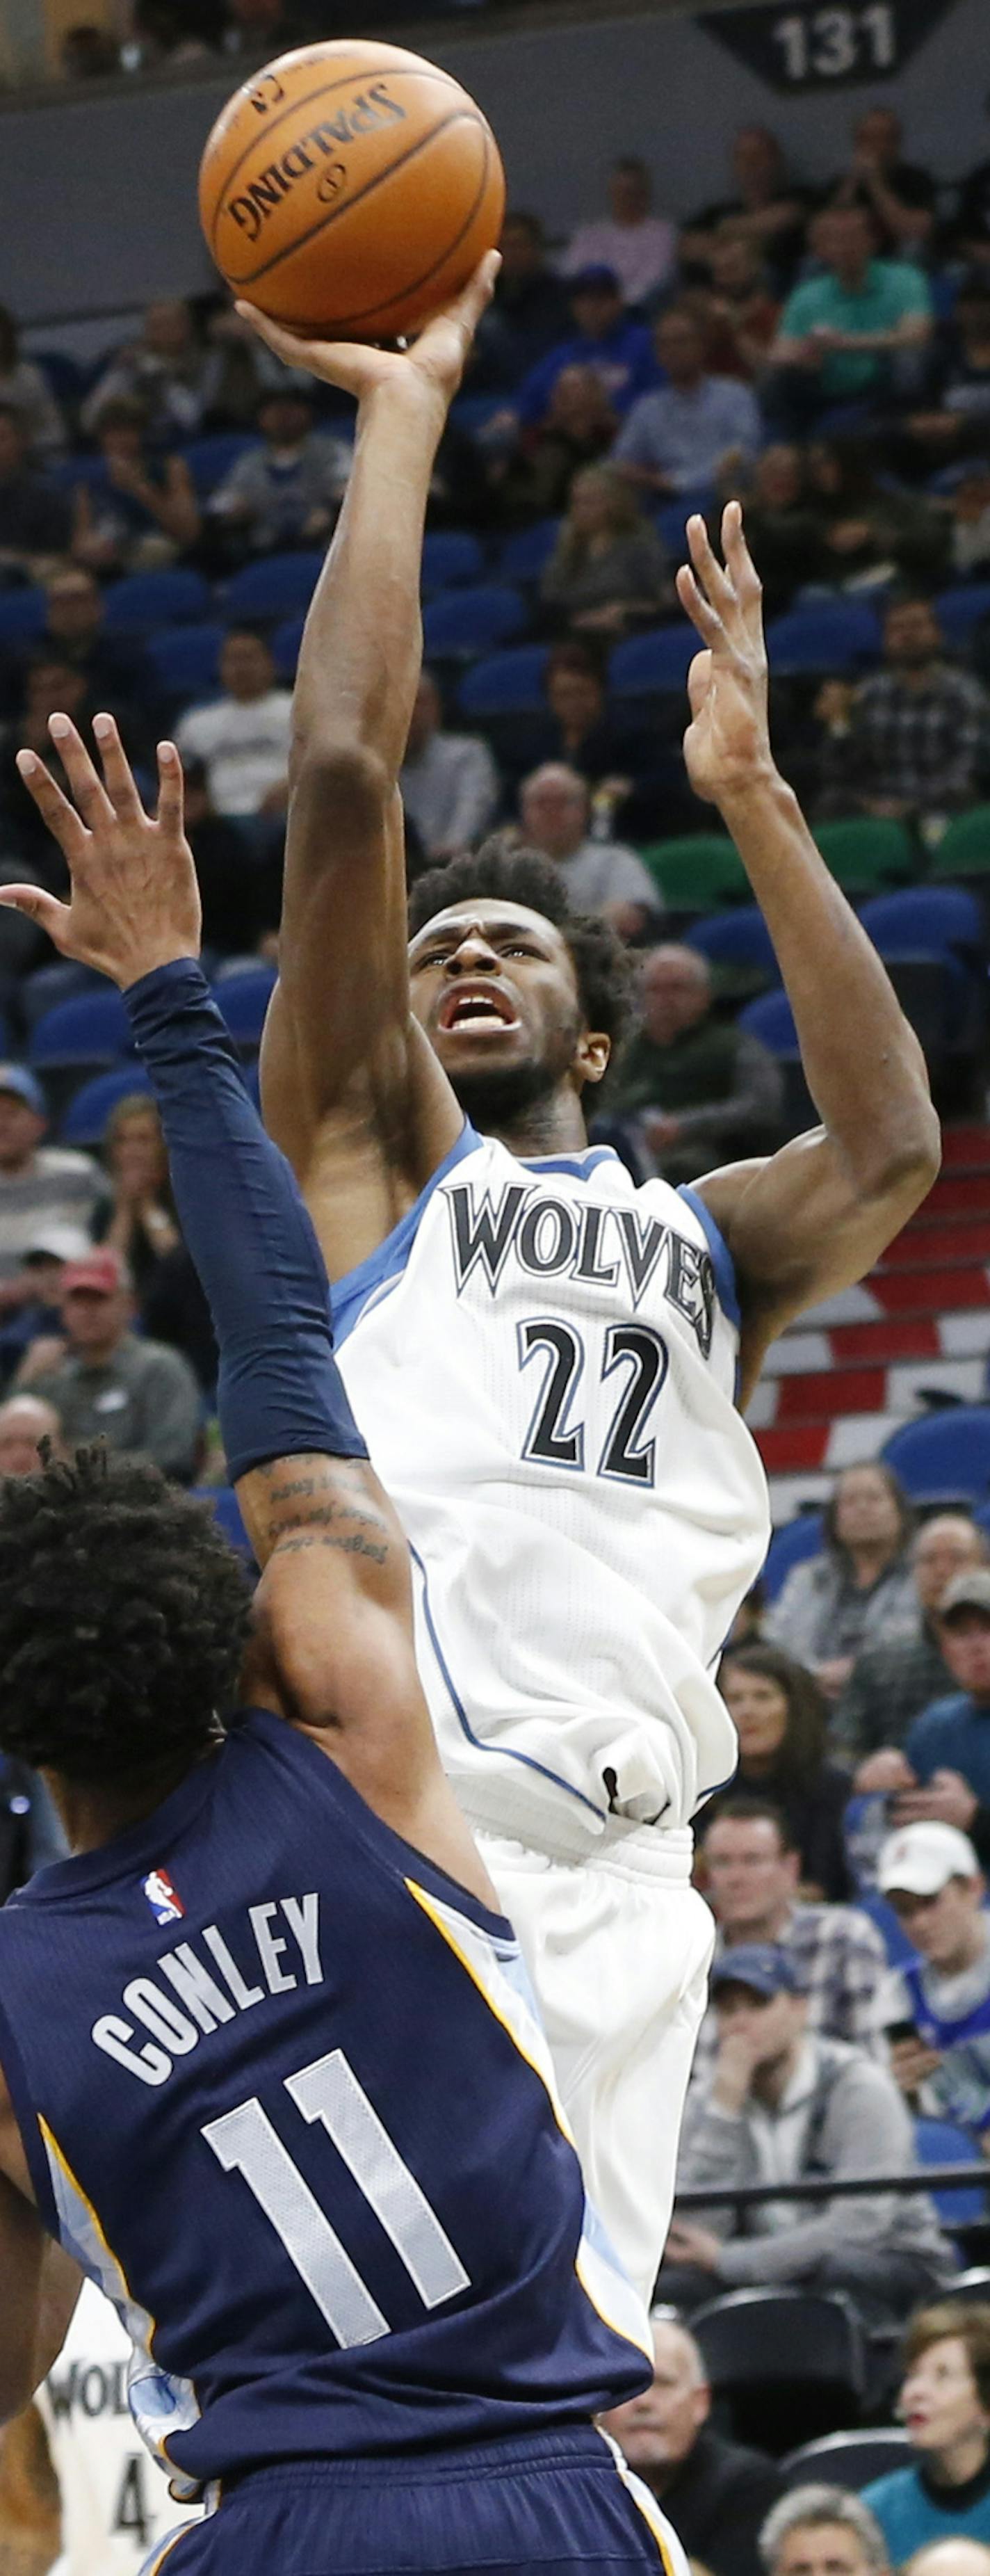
(672, 2558)
(476, 1953)
(82, 2229)
(598, 2270)
(152, 2565)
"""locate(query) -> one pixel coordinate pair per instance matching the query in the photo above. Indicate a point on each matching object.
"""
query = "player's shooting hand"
(135, 901)
(436, 359)
(727, 743)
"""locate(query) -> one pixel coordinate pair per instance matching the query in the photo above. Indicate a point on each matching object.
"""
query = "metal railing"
(749, 2195)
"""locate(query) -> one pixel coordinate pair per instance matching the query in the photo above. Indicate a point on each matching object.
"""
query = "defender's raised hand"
(727, 743)
(135, 901)
(435, 359)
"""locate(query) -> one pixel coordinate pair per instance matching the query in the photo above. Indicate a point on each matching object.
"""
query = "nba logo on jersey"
(165, 1905)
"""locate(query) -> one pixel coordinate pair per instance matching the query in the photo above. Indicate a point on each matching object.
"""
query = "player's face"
(494, 988)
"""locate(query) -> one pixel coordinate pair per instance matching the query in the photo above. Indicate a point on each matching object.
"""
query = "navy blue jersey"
(284, 2094)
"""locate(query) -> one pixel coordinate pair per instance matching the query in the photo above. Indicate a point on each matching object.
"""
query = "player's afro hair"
(604, 969)
(123, 1620)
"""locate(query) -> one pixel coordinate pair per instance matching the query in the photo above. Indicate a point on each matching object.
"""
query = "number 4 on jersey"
(555, 1437)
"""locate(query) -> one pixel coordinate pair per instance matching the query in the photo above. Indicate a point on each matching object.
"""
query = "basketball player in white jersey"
(546, 1357)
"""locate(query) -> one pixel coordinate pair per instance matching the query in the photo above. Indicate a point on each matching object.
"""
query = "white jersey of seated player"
(115, 2502)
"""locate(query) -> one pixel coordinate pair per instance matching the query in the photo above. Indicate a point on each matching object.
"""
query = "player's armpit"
(30, 2517)
(333, 1648)
(799, 1227)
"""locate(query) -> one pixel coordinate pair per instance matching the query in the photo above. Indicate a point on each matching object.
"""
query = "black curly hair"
(604, 969)
(124, 1616)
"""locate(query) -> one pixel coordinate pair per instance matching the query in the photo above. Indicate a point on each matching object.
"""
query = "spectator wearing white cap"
(936, 2009)
(38, 1291)
(39, 1184)
(943, 1774)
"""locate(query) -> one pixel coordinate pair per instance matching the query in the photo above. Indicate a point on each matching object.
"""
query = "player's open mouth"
(477, 1006)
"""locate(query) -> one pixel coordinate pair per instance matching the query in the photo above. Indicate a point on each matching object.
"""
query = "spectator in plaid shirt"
(919, 728)
(750, 1871)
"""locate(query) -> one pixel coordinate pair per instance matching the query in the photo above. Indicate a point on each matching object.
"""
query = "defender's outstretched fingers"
(54, 808)
(118, 777)
(707, 566)
(705, 618)
(170, 810)
(745, 578)
(87, 787)
(38, 906)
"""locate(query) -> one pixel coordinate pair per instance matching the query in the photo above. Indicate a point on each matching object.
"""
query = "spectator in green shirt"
(843, 335)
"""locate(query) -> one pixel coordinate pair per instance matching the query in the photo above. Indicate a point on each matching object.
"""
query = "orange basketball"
(350, 189)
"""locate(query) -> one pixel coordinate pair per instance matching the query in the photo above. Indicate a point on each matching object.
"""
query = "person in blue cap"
(779, 2103)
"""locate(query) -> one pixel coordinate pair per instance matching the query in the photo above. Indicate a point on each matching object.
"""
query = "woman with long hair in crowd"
(781, 1718)
(608, 571)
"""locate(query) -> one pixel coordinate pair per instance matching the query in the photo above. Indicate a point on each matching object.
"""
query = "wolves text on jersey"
(551, 1238)
(204, 1995)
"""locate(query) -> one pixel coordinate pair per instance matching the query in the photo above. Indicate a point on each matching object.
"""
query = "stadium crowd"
(824, 354)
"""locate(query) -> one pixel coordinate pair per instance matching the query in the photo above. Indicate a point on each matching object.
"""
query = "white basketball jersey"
(115, 2501)
(542, 1358)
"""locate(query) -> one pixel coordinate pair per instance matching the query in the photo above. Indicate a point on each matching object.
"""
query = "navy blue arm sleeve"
(280, 1390)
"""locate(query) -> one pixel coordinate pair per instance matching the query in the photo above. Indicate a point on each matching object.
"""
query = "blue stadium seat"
(462, 623)
(960, 609)
(184, 662)
(920, 917)
(272, 588)
(285, 643)
(789, 1546)
(175, 597)
(226, 1512)
(450, 556)
(945, 1456)
(647, 664)
(824, 635)
(22, 616)
(525, 555)
(209, 459)
(941, 2142)
(84, 1122)
(772, 1020)
(243, 1001)
(93, 1029)
(735, 939)
(505, 683)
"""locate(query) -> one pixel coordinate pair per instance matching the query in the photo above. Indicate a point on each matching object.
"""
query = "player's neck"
(550, 1126)
(91, 1817)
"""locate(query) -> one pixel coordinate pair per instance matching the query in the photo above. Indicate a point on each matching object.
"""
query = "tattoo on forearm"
(311, 1511)
(355, 1545)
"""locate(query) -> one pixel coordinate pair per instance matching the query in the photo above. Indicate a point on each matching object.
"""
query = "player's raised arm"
(334, 1646)
(817, 1215)
(350, 1087)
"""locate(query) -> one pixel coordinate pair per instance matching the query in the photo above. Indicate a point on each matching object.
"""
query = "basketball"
(350, 189)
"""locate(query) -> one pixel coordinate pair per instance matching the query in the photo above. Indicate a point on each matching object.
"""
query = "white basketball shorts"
(618, 1944)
